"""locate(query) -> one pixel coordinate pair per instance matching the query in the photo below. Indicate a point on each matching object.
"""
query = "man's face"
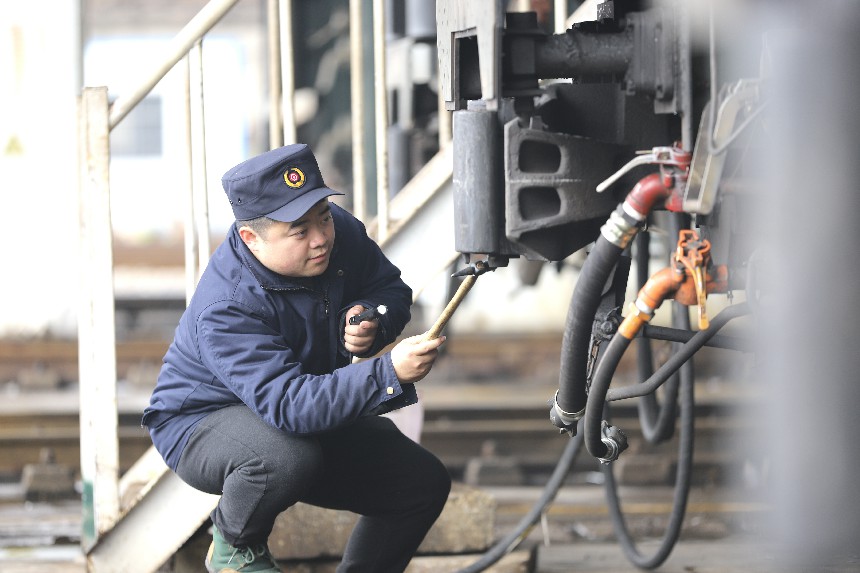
(298, 249)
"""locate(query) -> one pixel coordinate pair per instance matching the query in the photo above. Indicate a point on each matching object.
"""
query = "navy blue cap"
(281, 184)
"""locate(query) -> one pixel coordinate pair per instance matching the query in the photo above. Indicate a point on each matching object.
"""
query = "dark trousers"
(368, 467)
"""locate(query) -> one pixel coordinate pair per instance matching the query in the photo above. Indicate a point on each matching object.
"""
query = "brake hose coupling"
(615, 441)
(565, 421)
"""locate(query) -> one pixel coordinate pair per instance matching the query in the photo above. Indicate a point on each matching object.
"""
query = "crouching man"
(258, 400)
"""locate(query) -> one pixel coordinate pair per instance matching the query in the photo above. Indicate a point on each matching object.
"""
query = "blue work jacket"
(275, 343)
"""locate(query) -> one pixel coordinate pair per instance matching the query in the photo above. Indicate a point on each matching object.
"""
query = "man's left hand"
(358, 338)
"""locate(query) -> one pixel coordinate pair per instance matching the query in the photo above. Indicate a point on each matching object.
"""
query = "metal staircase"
(133, 524)
(422, 214)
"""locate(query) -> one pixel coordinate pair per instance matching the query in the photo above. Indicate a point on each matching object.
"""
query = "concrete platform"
(574, 536)
(736, 554)
(729, 555)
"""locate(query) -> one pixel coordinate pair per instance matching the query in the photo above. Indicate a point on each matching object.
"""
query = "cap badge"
(294, 177)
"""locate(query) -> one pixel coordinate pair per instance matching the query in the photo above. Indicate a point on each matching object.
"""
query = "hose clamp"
(565, 421)
(612, 451)
(615, 441)
(641, 310)
(568, 418)
(618, 230)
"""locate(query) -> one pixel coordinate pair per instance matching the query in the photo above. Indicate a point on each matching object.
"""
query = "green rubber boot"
(224, 558)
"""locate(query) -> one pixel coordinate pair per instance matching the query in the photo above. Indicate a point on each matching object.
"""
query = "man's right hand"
(413, 357)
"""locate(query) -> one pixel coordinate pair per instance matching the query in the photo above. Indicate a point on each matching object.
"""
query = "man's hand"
(413, 357)
(358, 338)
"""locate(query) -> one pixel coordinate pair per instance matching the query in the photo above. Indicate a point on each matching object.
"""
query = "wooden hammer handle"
(452, 305)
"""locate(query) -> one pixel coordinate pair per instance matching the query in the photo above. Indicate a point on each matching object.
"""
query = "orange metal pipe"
(672, 282)
(656, 290)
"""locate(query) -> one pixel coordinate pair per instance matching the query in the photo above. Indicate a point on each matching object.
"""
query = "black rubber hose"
(525, 525)
(657, 421)
(687, 350)
(680, 336)
(585, 301)
(602, 377)
(597, 396)
(681, 492)
(642, 257)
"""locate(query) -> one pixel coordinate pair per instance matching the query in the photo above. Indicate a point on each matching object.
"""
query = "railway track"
(485, 406)
(494, 426)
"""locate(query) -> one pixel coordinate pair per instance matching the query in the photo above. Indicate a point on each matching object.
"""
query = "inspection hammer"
(472, 272)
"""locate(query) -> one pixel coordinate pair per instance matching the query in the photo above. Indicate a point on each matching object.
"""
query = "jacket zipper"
(326, 301)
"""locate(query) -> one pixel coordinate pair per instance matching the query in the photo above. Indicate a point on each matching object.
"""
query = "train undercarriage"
(645, 134)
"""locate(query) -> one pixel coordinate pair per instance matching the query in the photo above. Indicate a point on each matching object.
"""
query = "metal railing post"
(96, 321)
(288, 84)
(192, 263)
(356, 80)
(199, 187)
(276, 132)
(282, 88)
(381, 119)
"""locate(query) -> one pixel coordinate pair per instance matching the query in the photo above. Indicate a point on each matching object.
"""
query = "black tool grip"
(368, 314)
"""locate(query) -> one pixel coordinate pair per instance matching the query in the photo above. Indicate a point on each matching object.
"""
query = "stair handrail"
(178, 48)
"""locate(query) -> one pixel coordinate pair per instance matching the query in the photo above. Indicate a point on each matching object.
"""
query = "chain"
(600, 334)
(592, 362)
